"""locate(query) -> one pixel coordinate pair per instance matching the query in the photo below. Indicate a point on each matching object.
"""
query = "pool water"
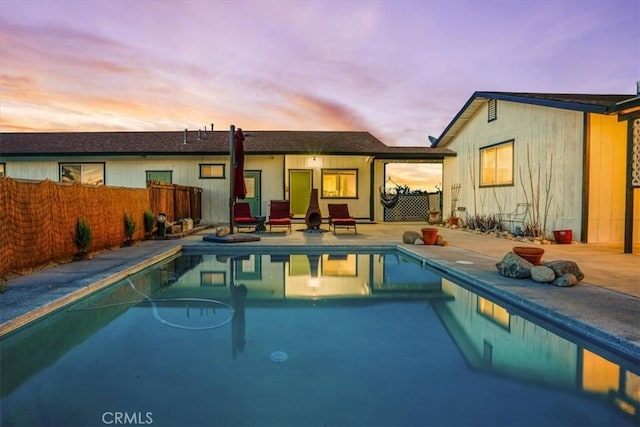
(305, 339)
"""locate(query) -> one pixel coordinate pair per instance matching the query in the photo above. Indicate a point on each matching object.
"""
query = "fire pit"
(313, 218)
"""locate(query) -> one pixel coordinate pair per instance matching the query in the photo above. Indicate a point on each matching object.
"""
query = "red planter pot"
(563, 237)
(429, 236)
(533, 255)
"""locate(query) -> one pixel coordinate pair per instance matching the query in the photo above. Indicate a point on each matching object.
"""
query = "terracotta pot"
(563, 237)
(454, 220)
(533, 255)
(429, 236)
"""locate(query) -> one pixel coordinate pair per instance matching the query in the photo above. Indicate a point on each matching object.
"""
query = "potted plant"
(563, 237)
(148, 223)
(129, 228)
(429, 235)
(530, 253)
(82, 238)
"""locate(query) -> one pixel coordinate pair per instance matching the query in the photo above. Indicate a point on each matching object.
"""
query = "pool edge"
(37, 313)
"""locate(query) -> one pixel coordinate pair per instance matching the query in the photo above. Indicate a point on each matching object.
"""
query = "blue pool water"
(305, 339)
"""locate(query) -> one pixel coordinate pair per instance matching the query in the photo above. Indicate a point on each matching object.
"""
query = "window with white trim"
(496, 164)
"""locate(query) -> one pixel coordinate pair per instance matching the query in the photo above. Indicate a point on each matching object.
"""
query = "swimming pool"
(305, 338)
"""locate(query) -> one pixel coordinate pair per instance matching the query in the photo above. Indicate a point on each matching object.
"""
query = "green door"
(254, 189)
(300, 182)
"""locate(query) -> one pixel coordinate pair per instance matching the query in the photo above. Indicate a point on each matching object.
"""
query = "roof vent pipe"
(211, 127)
(185, 136)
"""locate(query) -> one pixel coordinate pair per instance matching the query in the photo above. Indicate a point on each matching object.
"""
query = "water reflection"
(492, 337)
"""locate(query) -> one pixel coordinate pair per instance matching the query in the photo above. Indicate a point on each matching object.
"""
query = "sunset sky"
(398, 69)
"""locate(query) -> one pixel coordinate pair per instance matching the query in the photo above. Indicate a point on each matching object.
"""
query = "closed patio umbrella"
(239, 187)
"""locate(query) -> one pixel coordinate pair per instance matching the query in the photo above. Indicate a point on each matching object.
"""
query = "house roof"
(602, 104)
(210, 143)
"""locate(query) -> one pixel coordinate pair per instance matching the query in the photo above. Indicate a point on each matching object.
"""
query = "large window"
(339, 183)
(496, 164)
(84, 173)
(160, 176)
(212, 170)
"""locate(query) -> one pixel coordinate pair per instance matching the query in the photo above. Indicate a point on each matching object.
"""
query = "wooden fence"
(38, 218)
(176, 201)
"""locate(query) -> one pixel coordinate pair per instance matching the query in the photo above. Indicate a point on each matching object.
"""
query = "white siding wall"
(547, 132)
(130, 171)
(272, 177)
(359, 207)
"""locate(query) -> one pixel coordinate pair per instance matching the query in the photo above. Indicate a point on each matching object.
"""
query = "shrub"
(129, 226)
(148, 222)
(83, 235)
(485, 223)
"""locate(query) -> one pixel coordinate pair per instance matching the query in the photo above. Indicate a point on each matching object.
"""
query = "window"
(212, 170)
(339, 183)
(494, 312)
(2, 169)
(213, 278)
(160, 176)
(496, 164)
(84, 173)
(493, 110)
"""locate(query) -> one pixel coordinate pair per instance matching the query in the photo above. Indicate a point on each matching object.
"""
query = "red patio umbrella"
(239, 187)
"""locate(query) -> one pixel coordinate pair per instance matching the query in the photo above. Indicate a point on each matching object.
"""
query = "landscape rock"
(542, 274)
(514, 266)
(566, 280)
(418, 241)
(560, 267)
(409, 237)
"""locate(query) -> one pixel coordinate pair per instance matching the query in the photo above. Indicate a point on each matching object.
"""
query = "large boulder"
(566, 280)
(542, 274)
(409, 237)
(560, 267)
(514, 266)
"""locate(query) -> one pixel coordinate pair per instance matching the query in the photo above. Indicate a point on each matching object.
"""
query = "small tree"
(82, 237)
(148, 223)
(129, 228)
(537, 226)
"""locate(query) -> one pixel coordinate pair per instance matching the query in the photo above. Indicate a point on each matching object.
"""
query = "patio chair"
(339, 217)
(279, 214)
(242, 217)
(514, 221)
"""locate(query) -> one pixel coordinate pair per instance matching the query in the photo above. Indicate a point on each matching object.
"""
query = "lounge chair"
(279, 214)
(242, 217)
(339, 217)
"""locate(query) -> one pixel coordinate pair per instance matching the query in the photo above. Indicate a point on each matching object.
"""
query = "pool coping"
(21, 320)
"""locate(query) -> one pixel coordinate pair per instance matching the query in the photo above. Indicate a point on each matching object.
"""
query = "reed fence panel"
(38, 220)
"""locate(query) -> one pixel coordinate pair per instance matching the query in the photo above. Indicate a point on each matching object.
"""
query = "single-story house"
(344, 166)
(574, 158)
